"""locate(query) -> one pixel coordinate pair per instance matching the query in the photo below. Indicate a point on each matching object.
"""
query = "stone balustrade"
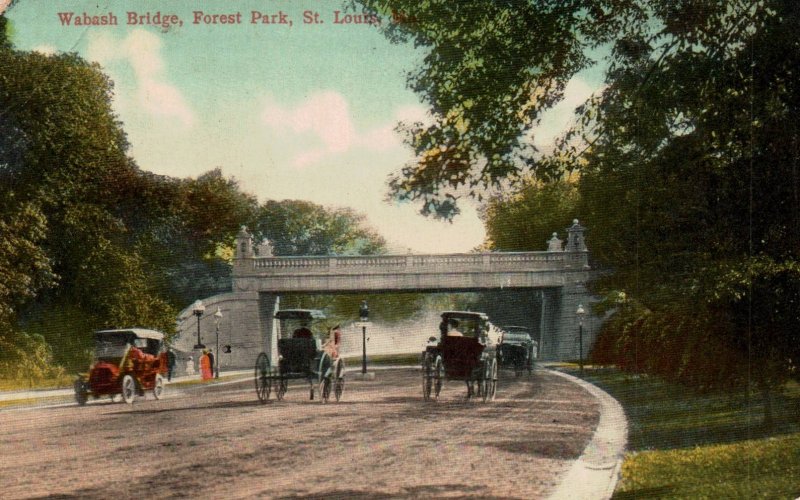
(478, 262)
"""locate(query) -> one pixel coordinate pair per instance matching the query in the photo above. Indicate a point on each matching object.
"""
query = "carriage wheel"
(262, 377)
(158, 387)
(325, 376)
(427, 377)
(338, 385)
(128, 389)
(490, 381)
(325, 388)
(283, 386)
(438, 377)
(81, 392)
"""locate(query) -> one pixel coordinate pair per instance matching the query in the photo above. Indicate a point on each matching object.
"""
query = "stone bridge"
(551, 284)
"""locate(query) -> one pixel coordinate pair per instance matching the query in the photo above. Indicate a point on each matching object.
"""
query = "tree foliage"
(489, 71)
(526, 219)
(296, 227)
(687, 157)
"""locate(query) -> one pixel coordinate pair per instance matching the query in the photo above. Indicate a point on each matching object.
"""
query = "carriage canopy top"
(308, 314)
(141, 333)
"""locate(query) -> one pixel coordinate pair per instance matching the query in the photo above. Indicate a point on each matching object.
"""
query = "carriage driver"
(332, 344)
(303, 332)
(454, 331)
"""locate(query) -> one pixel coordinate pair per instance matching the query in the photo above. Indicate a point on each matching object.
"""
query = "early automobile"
(517, 350)
(307, 350)
(465, 350)
(127, 362)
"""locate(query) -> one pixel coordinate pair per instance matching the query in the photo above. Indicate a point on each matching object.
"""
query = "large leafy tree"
(489, 71)
(62, 155)
(687, 155)
(296, 227)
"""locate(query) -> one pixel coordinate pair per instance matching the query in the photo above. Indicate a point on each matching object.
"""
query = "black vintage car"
(517, 350)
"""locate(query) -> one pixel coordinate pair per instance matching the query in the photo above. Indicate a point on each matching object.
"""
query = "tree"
(489, 71)
(526, 219)
(62, 160)
(296, 227)
(687, 155)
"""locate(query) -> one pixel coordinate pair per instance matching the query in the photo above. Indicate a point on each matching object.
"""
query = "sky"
(306, 111)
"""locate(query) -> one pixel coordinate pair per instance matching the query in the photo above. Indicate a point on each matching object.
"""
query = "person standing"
(211, 362)
(170, 363)
(205, 366)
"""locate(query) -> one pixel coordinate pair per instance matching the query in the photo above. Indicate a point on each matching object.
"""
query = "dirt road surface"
(380, 441)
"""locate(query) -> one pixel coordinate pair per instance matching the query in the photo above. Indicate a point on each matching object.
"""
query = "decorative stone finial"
(575, 239)
(554, 244)
(244, 244)
(264, 248)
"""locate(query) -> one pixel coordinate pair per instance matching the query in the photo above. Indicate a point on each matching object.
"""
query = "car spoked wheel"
(128, 389)
(81, 392)
(158, 388)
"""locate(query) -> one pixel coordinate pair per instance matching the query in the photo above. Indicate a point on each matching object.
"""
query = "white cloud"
(326, 116)
(142, 51)
(47, 50)
(556, 120)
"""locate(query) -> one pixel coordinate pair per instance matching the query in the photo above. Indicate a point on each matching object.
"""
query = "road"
(380, 441)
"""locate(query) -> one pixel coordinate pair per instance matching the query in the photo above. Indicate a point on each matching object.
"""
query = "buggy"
(517, 350)
(465, 350)
(306, 350)
(127, 362)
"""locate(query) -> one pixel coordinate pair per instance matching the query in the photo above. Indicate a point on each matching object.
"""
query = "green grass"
(686, 444)
(61, 382)
(756, 468)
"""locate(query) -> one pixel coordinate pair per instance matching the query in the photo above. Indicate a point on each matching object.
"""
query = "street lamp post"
(364, 314)
(197, 309)
(217, 318)
(580, 313)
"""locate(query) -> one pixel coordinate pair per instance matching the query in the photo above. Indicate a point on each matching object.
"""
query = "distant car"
(127, 362)
(517, 349)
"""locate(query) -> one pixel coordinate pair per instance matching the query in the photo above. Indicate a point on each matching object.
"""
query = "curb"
(595, 474)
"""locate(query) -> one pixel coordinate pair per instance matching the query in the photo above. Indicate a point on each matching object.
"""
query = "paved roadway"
(380, 441)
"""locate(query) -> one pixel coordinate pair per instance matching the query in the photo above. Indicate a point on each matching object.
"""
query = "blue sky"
(301, 112)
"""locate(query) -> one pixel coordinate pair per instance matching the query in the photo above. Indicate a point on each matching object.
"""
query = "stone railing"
(401, 264)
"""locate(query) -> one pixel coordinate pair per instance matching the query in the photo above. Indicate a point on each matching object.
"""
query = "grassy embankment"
(686, 444)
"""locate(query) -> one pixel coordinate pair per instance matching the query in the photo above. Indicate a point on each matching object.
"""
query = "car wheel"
(81, 392)
(158, 388)
(128, 389)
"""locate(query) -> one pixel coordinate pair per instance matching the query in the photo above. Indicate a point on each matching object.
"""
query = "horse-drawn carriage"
(127, 362)
(306, 350)
(465, 350)
(517, 350)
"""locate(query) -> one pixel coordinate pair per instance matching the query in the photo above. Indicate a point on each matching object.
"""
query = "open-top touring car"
(128, 362)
